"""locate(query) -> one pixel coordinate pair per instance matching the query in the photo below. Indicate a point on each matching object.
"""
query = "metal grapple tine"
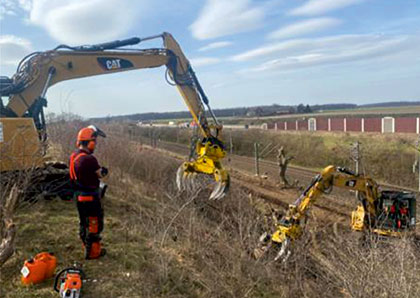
(213, 195)
(284, 251)
(219, 191)
(179, 178)
(189, 181)
(193, 182)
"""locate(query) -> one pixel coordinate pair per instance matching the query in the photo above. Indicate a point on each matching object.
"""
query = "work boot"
(94, 251)
(101, 254)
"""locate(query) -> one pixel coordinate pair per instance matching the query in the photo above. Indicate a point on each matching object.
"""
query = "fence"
(380, 125)
(350, 124)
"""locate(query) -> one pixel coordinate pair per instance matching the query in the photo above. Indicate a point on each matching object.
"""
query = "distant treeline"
(257, 111)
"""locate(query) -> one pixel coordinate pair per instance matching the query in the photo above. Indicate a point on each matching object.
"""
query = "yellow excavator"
(22, 120)
(385, 213)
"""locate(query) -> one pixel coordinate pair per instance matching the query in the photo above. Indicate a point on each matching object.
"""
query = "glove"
(104, 171)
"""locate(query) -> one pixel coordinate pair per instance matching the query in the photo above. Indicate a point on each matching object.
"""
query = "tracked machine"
(384, 213)
(23, 133)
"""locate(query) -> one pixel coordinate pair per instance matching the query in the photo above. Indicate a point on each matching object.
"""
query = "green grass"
(53, 226)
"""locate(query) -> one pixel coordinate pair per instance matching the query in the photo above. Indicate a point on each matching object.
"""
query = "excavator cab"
(398, 211)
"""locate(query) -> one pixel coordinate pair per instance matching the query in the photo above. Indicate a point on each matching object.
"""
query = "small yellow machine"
(387, 213)
(22, 122)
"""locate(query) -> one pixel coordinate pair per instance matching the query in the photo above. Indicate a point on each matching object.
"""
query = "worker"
(403, 215)
(85, 174)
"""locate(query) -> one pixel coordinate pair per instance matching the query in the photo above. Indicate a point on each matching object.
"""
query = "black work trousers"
(91, 221)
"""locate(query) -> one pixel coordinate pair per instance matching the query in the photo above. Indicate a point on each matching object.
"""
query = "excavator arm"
(290, 226)
(41, 70)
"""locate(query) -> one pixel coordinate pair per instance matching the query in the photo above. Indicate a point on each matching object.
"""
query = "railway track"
(244, 163)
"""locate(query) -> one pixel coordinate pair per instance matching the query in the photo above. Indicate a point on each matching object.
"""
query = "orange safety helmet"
(89, 134)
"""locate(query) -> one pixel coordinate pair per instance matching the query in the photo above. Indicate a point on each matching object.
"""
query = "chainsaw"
(68, 282)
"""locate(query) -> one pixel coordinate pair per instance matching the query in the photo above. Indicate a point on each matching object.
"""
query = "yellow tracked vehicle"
(386, 213)
(22, 122)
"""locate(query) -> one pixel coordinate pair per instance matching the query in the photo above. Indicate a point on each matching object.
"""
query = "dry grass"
(165, 244)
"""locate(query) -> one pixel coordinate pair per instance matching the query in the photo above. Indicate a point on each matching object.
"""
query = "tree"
(300, 109)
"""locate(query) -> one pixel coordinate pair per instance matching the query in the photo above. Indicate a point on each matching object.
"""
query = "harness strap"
(73, 158)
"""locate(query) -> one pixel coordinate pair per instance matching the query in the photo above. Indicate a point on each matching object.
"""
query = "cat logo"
(114, 63)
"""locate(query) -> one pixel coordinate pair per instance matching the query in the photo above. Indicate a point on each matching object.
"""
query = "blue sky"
(245, 52)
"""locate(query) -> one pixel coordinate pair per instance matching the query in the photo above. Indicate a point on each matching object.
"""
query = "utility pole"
(151, 137)
(257, 163)
(231, 142)
(355, 156)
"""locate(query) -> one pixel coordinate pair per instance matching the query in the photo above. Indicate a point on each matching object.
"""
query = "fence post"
(257, 164)
(151, 137)
(230, 142)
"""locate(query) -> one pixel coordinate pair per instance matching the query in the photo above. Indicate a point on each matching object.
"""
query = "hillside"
(163, 243)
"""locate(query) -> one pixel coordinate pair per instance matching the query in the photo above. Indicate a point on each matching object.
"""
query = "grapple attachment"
(278, 243)
(209, 151)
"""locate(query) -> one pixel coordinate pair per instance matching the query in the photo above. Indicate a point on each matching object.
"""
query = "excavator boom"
(41, 70)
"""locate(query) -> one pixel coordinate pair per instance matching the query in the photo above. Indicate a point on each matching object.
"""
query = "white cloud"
(267, 50)
(14, 7)
(7, 7)
(204, 61)
(25, 4)
(339, 49)
(294, 46)
(226, 17)
(216, 45)
(304, 27)
(316, 7)
(13, 49)
(84, 21)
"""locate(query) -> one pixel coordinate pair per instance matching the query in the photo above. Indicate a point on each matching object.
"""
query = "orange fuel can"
(39, 268)
(50, 260)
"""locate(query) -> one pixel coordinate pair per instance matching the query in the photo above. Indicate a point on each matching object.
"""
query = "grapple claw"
(186, 179)
(268, 246)
(209, 153)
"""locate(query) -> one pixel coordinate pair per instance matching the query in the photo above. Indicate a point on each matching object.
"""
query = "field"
(365, 112)
(163, 243)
